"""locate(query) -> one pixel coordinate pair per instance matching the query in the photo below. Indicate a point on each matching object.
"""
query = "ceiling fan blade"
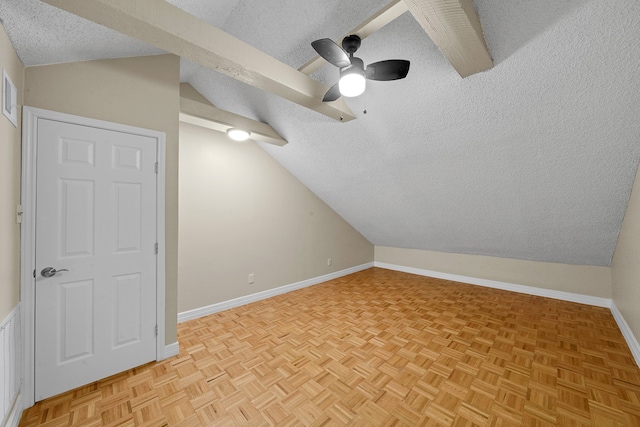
(333, 53)
(332, 94)
(391, 69)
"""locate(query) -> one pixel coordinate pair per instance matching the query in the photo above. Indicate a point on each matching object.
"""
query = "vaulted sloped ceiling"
(533, 158)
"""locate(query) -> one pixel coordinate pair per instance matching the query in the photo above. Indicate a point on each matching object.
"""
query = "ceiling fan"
(353, 74)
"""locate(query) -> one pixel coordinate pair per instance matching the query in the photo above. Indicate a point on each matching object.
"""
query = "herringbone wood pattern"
(376, 348)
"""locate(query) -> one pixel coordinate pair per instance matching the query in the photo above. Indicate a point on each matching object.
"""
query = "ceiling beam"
(381, 18)
(197, 110)
(170, 28)
(455, 28)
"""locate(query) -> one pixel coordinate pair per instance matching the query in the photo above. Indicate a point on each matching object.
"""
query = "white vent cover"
(9, 99)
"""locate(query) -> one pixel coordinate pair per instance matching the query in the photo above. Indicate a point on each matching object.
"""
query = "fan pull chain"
(365, 103)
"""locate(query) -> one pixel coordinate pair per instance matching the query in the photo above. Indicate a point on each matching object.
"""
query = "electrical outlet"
(329, 261)
(252, 278)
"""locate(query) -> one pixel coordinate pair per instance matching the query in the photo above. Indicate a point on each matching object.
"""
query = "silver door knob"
(50, 271)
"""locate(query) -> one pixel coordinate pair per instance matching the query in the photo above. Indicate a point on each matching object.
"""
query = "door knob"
(50, 271)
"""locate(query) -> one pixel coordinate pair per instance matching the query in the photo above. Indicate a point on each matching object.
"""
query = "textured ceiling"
(533, 159)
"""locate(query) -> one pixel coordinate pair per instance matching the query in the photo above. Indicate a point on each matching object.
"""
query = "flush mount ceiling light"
(238, 134)
(196, 110)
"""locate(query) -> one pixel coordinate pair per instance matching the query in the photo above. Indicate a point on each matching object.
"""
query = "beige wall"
(625, 266)
(579, 279)
(241, 213)
(10, 148)
(143, 92)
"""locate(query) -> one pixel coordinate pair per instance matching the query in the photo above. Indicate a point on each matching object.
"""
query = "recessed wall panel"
(127, 157)
(127, 309)
(77, 152)
(77, 217)
(128, 217)
(76, 314)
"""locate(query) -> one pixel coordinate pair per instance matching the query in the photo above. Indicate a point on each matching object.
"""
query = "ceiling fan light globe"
(238, 134)
(352, 84)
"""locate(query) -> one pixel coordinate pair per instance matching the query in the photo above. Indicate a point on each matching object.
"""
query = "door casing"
(30, 117)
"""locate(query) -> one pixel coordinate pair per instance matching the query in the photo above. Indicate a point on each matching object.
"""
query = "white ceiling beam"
(197, 110)
(384, 16)
(455, 28)
(170, 28)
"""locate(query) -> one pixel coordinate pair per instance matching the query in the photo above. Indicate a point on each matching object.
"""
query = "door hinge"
(156, 167)
(19, 213)
(156, 330)
(156, 249)
(34, 273)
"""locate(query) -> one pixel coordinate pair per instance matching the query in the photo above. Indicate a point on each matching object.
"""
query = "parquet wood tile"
(376, 348)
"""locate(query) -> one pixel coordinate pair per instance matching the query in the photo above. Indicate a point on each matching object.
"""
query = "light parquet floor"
(376, 348)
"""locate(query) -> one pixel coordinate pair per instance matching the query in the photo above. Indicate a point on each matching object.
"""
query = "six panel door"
(96, 218)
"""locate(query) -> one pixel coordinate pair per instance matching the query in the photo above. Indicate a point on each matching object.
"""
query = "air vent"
(9, 99)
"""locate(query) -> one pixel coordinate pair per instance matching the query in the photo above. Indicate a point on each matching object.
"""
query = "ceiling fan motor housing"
(351, 43)
(356, 63)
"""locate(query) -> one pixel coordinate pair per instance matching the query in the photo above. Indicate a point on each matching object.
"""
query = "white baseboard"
(170, 350)
(13, 417)
(237, 302)
(11, 368)
(628, 335)
(632, 342)
(530, 290)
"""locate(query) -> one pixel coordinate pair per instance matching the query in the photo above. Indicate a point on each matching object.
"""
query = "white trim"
(161, 256)
(628, 335)
(237, 302)
(531, 290)
(27, 252)
(13, 418)
(170, 350)
(10, 316)
(31, 116)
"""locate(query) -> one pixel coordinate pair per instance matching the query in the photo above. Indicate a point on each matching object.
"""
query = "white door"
(95, 314)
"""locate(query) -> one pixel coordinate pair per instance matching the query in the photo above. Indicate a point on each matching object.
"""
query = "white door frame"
(30, 117)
